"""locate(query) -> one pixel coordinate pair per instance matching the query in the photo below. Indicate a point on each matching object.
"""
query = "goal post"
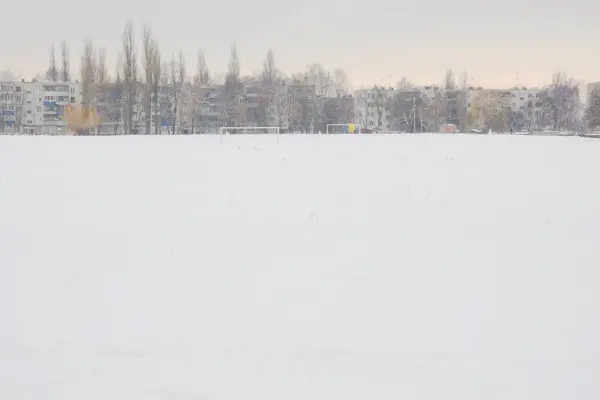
(248, 130)
(343, 128)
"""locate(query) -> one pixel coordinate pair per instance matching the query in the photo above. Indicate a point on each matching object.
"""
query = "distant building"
(522, 97)
(43, 105)
(10, 106)
(590, 87)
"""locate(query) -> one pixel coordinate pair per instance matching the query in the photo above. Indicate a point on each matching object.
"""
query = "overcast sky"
(375, 41)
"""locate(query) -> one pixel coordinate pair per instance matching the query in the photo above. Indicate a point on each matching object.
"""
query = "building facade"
(10, 106)
(36, 107)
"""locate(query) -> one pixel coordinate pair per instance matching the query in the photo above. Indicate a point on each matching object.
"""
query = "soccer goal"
(248, 130)
(343, 128)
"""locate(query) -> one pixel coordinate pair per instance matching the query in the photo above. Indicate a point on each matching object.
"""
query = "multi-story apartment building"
(394, 109)
(43, 105)
(373, 107)
(522, 97)
(590, 87)
(10, 106)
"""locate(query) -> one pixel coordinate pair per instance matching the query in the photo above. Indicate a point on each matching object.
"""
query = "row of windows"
(529, 96)
(58, 98)
(57, 89)
(10, 97)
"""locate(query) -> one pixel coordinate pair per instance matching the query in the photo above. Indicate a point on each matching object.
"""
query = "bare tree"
(561, 102)
(592, 112)
(52, 73)
(439, 108)
(101, 81)
(449, 80)
(322, 79)
(324, 84)
(101, 72)
(201, 79)
(269, 72)
(7, 75)
(231, 114)
(404, 84)
(65, 73)
(233, 70)
(88, 76)
(364, 101)
(148, 59)
(157, 73)
(340, 82)
(379, 97)
(464, 117)
(129, 78)
(180, 81)
(88, 73)
(203, 73)
(177, 81)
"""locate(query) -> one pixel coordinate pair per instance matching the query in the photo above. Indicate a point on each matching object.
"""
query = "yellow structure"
(351, 128)
(80, 119)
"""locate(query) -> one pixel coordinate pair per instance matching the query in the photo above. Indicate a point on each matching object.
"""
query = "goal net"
(343, 128)
(248, 130)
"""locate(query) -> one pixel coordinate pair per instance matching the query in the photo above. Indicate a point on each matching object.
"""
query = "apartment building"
(287, 106)
(43, 105)
(10, 106)
(590, 87)
(525, 98)
(373, 107)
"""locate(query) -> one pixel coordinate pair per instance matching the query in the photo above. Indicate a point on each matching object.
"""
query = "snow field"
(320, 267)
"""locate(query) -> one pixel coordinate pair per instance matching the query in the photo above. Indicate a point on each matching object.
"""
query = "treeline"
(142, 71)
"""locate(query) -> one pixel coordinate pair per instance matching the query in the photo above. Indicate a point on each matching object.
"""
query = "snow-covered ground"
(423, 267)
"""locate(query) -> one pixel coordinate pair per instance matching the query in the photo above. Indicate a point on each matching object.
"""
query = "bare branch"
(129, 77)
(101, 73)
(52, 73)
(269, 72)
(65, 56)
(203, 73)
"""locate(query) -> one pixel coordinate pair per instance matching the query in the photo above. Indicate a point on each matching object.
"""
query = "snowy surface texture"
(372, 267)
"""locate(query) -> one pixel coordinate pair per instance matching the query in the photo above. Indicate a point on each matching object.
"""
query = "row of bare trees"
(137, 85)
(61, 72)
(134, 91)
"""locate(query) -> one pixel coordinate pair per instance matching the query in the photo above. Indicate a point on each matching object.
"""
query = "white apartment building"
(43, 105)
(370, 103)
(10, 106)
(523, 97)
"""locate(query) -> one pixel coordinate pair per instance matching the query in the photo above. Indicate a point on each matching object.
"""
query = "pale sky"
(374, 41)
